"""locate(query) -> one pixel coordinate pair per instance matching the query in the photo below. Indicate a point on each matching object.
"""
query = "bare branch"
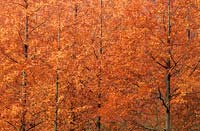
(15, 128)
(162, 99)
(195, 67)
(34, 125)
(95, 54)
(172, 58)
(38, 26)
(15, 3)
(154, 59)
(7, 56)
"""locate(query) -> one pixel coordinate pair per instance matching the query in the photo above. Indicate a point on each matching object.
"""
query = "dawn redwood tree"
(57, 78)
(99, 65)
(21, 30)
(24, 74)
(151, 26)
(162, 30)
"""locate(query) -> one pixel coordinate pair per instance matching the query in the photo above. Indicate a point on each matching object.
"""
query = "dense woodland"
(100, 65)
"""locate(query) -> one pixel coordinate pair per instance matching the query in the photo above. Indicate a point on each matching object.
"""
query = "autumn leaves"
(99, 65)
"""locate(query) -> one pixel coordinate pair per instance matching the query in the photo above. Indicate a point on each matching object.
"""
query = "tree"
(99, 65)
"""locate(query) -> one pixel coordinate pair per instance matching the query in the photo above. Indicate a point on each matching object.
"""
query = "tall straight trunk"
(100, 64)
(24, 75)
(73, 90)
(23, 117)
(188, 30)
(26, 31)
(75, 37)
(168, 112)
(56, 100)
(168, 76)
(57, 79)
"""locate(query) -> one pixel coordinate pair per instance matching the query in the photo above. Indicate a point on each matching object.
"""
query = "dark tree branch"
(154, 59)
(162, 99)
(38, 26)
(11, 125)
(15, 3)
(7, 56)
(95, 54)
(172, 58)
(195, 67)
(34, 125)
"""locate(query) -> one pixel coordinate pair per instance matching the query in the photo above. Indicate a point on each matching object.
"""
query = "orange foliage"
(63, 41)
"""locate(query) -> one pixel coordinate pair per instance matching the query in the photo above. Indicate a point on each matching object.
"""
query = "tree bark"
(73, 90)
(168, 113)
(24, 75)
(168, 75)
(57, 79)
(56, 102)
(100, 64)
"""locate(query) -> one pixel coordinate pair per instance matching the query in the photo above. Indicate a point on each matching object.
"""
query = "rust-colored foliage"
(103, 65)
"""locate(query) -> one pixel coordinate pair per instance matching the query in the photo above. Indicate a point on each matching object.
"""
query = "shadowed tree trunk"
(57, 79)
(73, 90)
(100, 64)
(168, 75)
(24, 75)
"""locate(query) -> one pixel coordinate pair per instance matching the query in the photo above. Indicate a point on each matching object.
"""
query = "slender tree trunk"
(56, 100)
(100, 64)
(75, 37)
(57, 79)
(188, 31)
(24, 75)
(168, 76)
(26, 31)
(23, 119)
(168, 113)
(73, 90)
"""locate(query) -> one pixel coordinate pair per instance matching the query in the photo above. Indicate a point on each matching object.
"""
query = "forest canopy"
(100, 65)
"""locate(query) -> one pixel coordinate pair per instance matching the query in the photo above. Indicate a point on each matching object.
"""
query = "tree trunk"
(57, 79)
(73, 90)
(56, 100)
(100, 64)
(23, 119)
(168, 76)
(24, 75)
(168, 119)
